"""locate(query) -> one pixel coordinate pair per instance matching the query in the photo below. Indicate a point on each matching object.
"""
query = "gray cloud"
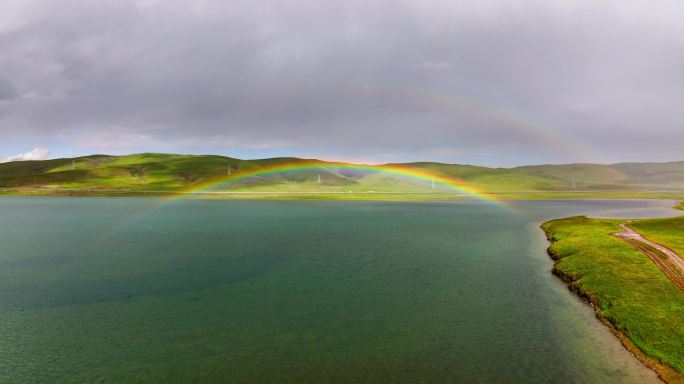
(494, 82)
(7, 90)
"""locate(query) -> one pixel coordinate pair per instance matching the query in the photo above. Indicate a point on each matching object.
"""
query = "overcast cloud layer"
(491, 82)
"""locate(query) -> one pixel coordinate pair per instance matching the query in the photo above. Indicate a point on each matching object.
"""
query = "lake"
(179, 291)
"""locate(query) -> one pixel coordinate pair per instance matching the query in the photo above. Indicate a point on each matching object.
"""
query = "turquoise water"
(104, 290)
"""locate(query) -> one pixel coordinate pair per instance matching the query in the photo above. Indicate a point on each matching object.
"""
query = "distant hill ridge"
(157, 171)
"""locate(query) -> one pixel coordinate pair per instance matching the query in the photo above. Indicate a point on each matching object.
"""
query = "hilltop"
(175, 173)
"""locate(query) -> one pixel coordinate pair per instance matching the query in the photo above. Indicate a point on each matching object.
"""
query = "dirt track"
(666, 259)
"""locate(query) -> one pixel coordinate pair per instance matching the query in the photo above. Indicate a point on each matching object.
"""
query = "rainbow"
(454, 184)
(205, 187)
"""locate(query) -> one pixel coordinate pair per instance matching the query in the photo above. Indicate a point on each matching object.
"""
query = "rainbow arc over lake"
(452, 183)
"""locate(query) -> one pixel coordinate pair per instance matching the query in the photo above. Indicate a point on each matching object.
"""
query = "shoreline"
(664, 372)
(355, 195)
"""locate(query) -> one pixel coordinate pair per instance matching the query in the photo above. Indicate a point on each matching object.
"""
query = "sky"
(490, 82)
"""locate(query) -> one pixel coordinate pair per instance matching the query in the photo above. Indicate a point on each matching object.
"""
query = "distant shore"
(212, 176)
(347, 195)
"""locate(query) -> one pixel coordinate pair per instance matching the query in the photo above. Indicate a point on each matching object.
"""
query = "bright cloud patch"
(35, 154)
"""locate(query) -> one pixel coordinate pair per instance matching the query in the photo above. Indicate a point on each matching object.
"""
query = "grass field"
(626, 288)
(152, 173)
(669, 232)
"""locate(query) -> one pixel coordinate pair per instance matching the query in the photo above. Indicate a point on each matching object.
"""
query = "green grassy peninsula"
(627, 290)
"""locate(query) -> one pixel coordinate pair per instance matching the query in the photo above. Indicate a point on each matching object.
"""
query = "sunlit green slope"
(169, 172)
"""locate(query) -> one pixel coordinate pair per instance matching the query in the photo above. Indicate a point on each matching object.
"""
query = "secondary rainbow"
(502, 115)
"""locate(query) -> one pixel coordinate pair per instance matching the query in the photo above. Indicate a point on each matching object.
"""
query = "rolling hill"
(173, 173)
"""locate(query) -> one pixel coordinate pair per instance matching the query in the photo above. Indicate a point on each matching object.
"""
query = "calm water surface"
(145, 290)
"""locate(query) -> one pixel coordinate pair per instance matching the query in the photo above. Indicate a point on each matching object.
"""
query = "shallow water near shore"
(151, 290)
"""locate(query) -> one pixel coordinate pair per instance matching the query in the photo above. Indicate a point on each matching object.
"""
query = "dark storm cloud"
(489, 81)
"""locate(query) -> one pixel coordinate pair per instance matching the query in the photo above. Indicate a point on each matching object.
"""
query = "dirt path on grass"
(666, 259)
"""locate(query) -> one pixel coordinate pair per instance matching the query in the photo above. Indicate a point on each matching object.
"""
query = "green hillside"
(174, 173)
(617, 176)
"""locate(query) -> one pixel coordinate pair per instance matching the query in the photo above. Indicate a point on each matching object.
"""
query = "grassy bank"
(626, 289)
